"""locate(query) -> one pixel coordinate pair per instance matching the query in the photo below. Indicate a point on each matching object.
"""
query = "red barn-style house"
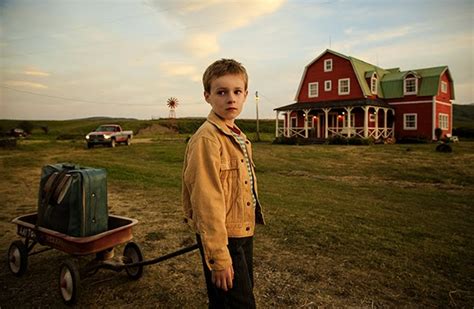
(345, 96)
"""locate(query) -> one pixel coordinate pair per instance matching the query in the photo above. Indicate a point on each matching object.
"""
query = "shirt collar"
(220, 124)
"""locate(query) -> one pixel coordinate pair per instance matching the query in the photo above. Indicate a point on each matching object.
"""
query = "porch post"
(326, 118)
(385, 110)
(306, 111)
(393, 123)
(288, 123)
(376, 122)
(366, 121)
(348, 109)
(276, 124)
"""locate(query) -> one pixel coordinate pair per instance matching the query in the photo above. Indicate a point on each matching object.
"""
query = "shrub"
(285, 140)
(413, 140)
(337, 140)
(464, 132)
(26, 126)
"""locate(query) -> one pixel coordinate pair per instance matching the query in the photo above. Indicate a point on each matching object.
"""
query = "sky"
(84, 58)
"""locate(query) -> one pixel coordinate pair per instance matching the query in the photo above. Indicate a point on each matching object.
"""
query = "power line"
(75, 99)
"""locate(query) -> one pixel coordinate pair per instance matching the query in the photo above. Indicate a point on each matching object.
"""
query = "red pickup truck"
(109, 135)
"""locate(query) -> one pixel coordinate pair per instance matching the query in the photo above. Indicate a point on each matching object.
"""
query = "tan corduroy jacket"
(217, 194)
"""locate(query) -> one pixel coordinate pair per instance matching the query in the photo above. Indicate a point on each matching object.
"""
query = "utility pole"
(256, 105)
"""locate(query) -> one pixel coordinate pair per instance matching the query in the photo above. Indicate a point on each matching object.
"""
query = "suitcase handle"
(69, 166)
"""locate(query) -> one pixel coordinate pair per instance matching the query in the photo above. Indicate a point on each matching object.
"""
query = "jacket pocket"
(230, 180)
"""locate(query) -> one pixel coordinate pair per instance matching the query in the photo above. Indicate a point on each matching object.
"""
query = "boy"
(220, 198)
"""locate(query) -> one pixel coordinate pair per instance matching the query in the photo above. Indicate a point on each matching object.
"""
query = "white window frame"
(444, 87)
(327, 85)
(373, 84)
(328, 65)
(409, 79)
(311, 95)
(443, 121)
(405, 121)
(348, 86)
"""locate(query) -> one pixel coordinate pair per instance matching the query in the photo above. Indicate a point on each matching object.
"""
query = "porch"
(356, 118)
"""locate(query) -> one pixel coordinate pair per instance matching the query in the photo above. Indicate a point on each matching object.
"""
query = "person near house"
(219, 191)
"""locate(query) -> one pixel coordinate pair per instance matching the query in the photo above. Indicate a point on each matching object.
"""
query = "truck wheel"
(90, 145)
(113, 143)
(128, 141)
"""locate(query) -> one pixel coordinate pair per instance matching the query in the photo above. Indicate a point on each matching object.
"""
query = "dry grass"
(375, 226)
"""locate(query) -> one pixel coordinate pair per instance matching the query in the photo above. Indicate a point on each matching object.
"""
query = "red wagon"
(102, 245)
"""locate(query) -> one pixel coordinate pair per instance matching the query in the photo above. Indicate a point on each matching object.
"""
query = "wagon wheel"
(69, 281)
(133, 254)
(18, 258)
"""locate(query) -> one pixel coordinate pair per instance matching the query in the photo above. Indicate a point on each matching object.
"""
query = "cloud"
(220, 17)
(18, 83)
(36, 73)
(180, 69)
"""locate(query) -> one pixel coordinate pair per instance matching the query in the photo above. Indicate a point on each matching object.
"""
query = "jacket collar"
(220, 124)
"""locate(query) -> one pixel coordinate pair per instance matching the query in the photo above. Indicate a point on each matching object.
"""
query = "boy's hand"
(223, 278)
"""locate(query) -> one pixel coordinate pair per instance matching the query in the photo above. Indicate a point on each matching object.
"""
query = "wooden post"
(276, 124)
(366, 121)
(326, 118)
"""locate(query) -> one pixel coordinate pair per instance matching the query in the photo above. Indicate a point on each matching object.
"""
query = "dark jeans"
(241, 294)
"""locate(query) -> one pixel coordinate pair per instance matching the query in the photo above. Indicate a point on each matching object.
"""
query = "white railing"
(341, 131)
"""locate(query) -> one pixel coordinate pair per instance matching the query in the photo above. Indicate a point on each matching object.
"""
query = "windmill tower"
(172, 104)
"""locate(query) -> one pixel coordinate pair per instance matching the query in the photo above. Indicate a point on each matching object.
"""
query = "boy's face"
(227, 96)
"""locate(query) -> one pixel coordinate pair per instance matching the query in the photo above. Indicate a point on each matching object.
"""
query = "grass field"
(360, 226)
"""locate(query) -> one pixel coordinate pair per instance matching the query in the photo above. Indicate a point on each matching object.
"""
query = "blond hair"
(223, 67)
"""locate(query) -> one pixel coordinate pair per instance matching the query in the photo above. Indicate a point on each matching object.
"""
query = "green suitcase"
(73, 199)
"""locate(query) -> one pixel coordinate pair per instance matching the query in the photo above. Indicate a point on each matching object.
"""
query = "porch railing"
(341, 131)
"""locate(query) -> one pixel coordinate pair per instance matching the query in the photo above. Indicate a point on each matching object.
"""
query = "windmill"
(172, 104)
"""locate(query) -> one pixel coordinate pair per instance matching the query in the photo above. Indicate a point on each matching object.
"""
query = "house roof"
(392, 83)
(298, 106)
(391, 80)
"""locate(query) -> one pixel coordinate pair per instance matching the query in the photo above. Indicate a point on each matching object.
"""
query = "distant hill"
(463, 120)
(463, 115)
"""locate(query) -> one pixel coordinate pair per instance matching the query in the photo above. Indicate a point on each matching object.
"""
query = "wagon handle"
(161, 258)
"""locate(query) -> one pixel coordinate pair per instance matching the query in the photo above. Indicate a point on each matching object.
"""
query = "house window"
(344, 86)
(444, 87)
(409, 121)
(294, 122)
(443, 121)
(327, 85)
(373, 84)
(328, 65)
(313, 90)
(410, 86)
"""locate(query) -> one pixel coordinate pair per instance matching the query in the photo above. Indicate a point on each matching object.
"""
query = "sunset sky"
(73, 59)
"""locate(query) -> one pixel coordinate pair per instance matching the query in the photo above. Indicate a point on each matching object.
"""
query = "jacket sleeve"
(202, 178)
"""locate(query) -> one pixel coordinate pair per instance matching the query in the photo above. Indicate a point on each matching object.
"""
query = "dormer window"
(328, 65)
(373, 84)
(410, 85)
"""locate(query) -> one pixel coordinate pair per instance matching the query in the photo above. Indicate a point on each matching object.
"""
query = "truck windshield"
(106, 129)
